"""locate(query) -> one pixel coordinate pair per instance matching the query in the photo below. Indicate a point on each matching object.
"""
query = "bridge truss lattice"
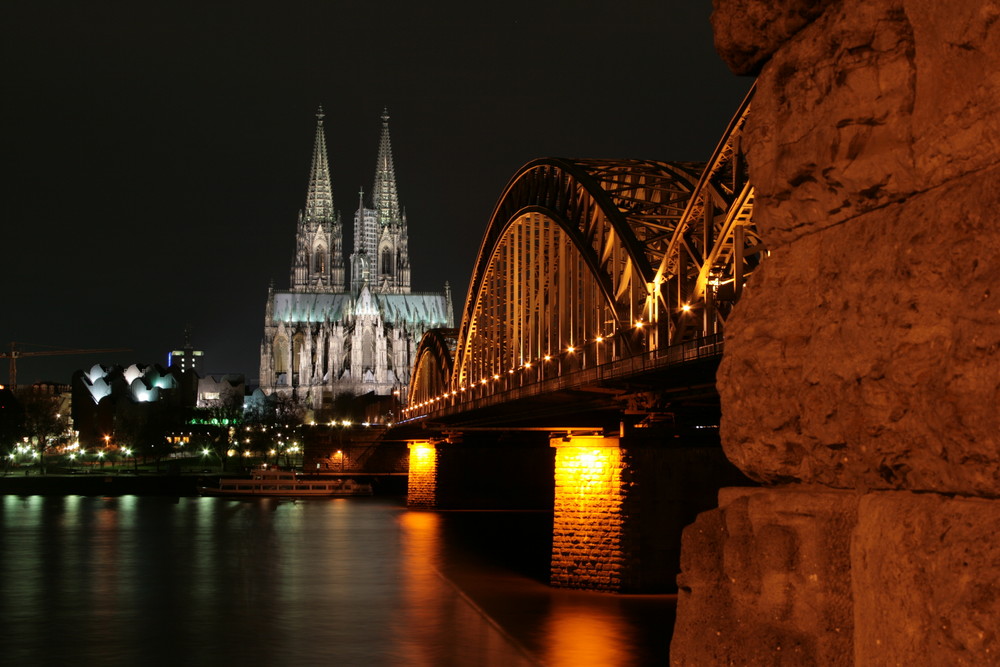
(588, 261)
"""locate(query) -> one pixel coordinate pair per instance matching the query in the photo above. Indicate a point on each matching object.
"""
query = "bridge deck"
(593, 397)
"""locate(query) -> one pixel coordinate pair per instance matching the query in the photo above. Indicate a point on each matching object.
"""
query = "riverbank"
(131, 484)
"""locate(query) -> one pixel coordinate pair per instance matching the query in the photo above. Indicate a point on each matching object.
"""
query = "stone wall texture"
(587, 522)
(802, 575)
(861, 380)
(866, 352)
(421, 482)
(762, 580)
(926, 571)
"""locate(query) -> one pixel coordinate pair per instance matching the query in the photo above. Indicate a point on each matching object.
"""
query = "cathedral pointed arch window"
(280, 355)
(297, 343)
(387, 261)
(319, 260)
(368, 349)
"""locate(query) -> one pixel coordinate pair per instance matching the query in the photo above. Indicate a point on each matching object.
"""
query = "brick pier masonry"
(619, 503)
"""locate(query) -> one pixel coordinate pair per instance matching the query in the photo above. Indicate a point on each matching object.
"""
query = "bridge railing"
(617, 369)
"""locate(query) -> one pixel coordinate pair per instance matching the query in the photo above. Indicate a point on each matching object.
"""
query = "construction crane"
(16, 354)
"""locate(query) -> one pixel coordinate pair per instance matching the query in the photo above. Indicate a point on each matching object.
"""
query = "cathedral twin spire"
(319, 199)
(380, 259)
(385, 197)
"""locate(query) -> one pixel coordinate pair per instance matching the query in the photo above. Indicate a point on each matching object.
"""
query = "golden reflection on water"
(439, 624)
(121, 581)
(579, 635)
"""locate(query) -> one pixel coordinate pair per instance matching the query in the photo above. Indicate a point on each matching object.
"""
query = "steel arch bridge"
(587, 263)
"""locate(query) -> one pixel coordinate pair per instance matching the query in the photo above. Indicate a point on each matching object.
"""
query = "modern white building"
(330, 333)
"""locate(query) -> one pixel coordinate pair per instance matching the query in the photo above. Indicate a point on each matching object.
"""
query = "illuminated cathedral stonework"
(326, 336)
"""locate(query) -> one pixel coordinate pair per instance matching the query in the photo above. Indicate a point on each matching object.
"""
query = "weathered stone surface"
(869, 103)
(868, 354)
(765, 580)
(926, 572)
(865, 354)
(747, 32)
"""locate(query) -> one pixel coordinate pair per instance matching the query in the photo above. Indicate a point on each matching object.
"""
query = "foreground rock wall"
(863, 362)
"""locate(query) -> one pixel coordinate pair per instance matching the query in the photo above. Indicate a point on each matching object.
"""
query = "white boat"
(286, 484)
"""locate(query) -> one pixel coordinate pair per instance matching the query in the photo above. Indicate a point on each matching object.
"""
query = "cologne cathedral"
(347, 329)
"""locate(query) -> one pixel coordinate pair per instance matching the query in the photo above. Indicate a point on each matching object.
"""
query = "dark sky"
(156, 154)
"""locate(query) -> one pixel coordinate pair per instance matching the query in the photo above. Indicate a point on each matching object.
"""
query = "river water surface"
(136, 580)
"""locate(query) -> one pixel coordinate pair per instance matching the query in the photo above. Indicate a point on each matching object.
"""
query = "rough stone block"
(747, 32)
(926, 579)
(765, 580)
(868, 354)
(869, 103)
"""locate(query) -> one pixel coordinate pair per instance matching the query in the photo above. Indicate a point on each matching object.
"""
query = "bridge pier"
(621, 503)
(588, 526)
(494, 470)
(421, 485)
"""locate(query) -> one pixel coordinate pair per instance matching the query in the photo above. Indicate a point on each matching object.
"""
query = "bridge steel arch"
(565, 262)
(588, 261)
(432, 372)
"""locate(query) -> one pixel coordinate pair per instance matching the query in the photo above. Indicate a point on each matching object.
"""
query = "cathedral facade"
(347, 329)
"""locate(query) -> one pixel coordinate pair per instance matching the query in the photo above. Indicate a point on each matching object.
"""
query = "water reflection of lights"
(580, 635)
(441, 625)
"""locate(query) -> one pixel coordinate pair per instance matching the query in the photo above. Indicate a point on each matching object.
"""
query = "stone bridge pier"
(861, 378)
(619, 502)
(481, 470)
(620, 505)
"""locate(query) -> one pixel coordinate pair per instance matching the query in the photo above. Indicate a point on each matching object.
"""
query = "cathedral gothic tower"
(321, 338)
(319, 260)
(381, 257)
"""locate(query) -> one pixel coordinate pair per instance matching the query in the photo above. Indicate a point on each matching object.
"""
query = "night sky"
(156, 154)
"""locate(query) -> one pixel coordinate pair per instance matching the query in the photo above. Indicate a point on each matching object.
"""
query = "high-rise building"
(325, 336)
(187, 359)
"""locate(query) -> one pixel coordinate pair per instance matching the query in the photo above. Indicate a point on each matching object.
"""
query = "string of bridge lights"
(527, 365)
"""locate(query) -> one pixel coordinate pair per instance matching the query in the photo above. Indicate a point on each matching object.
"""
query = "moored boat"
(286, 484)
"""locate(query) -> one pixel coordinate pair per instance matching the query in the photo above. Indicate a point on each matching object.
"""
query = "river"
(136, 580)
